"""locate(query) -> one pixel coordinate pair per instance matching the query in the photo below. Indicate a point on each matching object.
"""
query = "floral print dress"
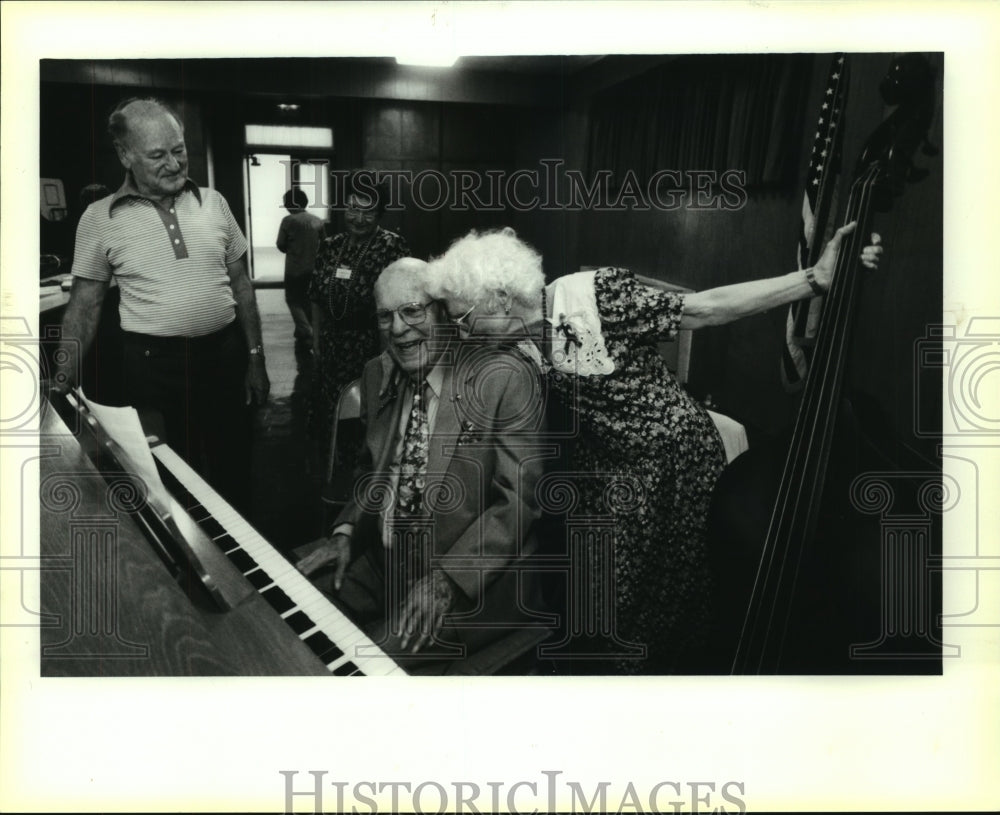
(643, 464)
(348, 335)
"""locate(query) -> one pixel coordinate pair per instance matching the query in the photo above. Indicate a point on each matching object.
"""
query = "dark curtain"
(705, 112)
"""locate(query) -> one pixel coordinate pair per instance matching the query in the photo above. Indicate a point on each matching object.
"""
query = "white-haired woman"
(594, 335)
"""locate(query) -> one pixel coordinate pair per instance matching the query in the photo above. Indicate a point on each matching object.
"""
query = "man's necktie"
(413, 461)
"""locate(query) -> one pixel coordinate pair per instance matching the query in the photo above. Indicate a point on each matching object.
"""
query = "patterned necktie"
(413, 461)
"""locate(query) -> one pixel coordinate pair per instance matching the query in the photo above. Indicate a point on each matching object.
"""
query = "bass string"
(805, 466)
(810, 444)
(818, 383)
(833, 333)
(817, 411)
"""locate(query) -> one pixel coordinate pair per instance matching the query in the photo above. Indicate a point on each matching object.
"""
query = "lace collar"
(577, 344)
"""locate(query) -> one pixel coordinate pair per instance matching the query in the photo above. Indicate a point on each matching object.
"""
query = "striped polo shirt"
(169, 263)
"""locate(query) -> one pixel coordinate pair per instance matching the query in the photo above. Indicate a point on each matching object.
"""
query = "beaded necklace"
(546, 340)
(349, 289)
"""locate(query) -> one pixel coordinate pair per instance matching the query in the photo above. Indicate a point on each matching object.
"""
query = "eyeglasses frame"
(385, 317)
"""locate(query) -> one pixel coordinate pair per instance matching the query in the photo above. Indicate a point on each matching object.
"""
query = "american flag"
(817, 205)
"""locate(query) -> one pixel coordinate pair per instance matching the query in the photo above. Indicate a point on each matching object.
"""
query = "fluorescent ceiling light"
(435, 59)
(282, 136)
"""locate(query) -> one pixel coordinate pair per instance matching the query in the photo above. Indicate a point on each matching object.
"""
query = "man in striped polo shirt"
(193, 362)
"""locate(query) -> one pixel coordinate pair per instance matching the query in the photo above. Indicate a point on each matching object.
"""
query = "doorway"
(266, 183)
(267, 178)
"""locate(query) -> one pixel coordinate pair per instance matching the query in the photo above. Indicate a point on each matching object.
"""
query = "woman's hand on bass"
(824, 269)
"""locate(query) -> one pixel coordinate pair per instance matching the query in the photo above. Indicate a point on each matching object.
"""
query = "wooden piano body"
(110, 605)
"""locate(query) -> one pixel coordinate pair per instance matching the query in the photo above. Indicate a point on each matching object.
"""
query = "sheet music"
(122, 426)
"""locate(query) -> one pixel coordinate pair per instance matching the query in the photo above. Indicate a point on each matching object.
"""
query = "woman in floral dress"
(345, 335)
(646, 456)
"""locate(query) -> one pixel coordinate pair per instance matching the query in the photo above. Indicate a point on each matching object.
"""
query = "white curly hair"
(481, 266)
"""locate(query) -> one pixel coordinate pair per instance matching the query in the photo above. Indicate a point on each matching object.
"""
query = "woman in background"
(594, 336)
(345, 335)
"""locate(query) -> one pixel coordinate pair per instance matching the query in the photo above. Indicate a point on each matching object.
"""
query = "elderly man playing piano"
(193, 354)
(427, 555)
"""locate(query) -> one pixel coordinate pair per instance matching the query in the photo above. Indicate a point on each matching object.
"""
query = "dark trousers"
(189, 391)
(299, 305)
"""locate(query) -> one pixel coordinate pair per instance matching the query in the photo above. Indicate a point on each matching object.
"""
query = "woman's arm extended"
(728, 303)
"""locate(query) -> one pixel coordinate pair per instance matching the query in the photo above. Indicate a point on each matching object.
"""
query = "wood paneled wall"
(512, 130)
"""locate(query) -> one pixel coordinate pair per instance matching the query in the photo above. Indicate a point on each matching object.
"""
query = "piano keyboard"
(338, 642)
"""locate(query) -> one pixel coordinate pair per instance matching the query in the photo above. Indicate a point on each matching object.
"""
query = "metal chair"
(338, 481)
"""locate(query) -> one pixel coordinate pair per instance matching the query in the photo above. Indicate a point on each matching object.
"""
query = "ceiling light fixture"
(285, 106)
(432, 59)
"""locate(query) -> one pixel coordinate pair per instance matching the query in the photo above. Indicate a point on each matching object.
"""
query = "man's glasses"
(409, 313)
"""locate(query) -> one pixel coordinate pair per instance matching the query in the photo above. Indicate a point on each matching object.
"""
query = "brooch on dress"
(470, 433)
(566, 329)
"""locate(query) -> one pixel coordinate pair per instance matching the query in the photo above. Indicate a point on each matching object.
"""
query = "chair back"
(676, 352)
(338, 482)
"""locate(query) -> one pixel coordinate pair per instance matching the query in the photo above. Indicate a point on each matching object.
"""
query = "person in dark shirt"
(298, 237)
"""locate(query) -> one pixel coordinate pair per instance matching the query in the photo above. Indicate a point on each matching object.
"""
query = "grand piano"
(189, 589)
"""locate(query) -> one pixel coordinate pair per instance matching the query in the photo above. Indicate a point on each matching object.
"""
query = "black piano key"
(278, 600)
(323, 647)
(241, 560)
(259, 579)
(347, 669)
(226, 542)
(180, 493)
(212, 527)
(178, 490)
(182, 496)
(198, 513)
(299, 622)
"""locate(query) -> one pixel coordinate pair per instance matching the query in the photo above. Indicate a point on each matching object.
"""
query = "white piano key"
(306, 597)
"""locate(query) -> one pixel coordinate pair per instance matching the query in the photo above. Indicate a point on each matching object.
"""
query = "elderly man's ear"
(123, 155)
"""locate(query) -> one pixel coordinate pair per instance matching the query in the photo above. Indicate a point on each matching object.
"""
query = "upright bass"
(802, 575)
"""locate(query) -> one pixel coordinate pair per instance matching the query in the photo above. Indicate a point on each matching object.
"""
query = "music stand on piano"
(187, 552)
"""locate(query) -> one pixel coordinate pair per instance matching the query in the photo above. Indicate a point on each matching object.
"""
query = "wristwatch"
(818, 290)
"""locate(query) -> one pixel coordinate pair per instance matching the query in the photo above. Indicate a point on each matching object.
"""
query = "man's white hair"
(128, 110)
(479, 267)
(414, 268)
